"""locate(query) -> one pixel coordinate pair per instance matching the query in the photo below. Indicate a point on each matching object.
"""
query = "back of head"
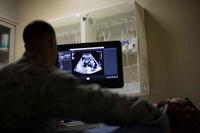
(39, 38)
(36, 31)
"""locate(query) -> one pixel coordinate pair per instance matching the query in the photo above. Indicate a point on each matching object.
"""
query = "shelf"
(7, 37)
(4, 49)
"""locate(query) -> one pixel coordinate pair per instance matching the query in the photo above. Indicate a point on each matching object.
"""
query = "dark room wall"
(8, 9)
(173, 37)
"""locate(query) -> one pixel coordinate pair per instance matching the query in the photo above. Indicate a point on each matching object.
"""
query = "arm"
(70, 98)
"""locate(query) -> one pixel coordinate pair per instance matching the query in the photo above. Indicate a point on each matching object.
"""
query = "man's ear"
(34, 47)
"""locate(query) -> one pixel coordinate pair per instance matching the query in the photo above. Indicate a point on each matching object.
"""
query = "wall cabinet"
(122, 21)
(7, 37)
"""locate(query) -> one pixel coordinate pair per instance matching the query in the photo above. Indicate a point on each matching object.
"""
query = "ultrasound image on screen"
(87, 62)
(64, 61)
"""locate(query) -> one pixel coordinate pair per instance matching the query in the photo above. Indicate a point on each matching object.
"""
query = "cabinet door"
(142, 50)
(7, 31)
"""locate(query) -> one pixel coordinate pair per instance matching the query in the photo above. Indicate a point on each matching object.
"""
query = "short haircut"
(36, 31)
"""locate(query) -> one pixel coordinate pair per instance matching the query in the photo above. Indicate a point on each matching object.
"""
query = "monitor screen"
(97, 62)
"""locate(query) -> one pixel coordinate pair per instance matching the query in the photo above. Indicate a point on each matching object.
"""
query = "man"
(33, 93)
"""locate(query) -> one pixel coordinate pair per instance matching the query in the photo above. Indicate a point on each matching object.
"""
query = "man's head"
(39, 38)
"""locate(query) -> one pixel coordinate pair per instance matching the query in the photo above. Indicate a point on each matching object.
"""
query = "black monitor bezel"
(111, 83)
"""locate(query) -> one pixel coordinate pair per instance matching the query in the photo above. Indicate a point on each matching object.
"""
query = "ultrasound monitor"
(97, 62)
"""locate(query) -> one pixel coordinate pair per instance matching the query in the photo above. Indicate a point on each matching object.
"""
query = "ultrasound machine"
(95, 62)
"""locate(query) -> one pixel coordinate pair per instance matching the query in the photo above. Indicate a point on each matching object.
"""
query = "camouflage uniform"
(31, 97)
